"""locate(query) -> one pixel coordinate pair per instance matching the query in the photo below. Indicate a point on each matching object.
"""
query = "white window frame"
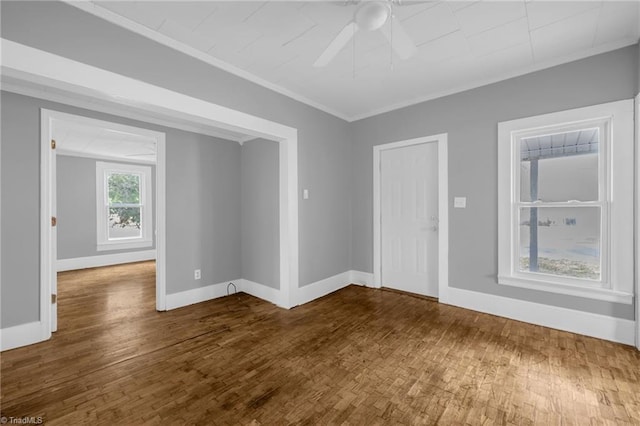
(616, 153)
(103, 170)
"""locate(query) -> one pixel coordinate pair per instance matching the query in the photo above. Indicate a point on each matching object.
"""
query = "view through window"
(124, 205)
(559, 208)
(125, 219)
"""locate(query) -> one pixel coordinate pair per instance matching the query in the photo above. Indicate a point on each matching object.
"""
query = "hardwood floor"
(358, 356)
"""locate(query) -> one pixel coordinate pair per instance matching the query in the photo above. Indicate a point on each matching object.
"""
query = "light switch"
(460, 202)
(305, 194)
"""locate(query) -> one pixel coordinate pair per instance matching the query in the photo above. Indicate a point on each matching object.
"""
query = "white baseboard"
(361, 278)
(197, 295)
(213, 291)
(260, 291)
(594, 325)
(306, 294)
(104, 260)
(323, 287)
(22, 335)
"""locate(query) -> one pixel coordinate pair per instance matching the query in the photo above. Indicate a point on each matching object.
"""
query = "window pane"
(124, 188)
(560, 167)
(568, 241)
(124, 222)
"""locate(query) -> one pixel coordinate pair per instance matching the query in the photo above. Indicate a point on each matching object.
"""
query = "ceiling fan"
(371, 15)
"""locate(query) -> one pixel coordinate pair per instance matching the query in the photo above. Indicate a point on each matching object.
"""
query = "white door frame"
(48, 196)
(443, 210)
(637, 215)
(36, 68)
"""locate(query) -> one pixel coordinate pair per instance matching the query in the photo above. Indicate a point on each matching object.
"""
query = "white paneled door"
(409, 218)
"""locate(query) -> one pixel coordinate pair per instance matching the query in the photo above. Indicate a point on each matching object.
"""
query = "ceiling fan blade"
(336, 45)
(399, 39)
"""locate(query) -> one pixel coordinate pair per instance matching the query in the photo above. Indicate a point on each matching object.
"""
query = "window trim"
(616, 199)
(103, 169)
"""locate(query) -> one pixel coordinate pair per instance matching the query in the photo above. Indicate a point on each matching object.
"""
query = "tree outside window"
(124, 215)
(124, 205)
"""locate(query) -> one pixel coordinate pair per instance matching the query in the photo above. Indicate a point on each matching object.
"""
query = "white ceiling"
(460, 44)
(103, 143)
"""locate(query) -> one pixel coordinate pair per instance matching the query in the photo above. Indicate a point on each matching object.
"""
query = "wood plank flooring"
(358, 356)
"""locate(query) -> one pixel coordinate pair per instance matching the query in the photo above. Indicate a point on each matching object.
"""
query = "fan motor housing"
(371, 16)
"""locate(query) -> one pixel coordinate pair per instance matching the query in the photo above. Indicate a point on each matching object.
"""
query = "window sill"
(121, 245)
(596, 293)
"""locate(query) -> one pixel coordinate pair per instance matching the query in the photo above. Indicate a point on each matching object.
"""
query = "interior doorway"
(410, 216)
(108, 195)
(77, 84)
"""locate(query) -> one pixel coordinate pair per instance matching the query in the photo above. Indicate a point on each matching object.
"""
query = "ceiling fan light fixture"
(373, 15)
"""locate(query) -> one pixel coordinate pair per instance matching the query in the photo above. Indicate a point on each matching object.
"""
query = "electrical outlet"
(196, 274)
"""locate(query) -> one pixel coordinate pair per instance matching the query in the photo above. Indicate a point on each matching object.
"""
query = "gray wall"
(323, 145)
(203, 212)
(76, 208)
(202, 196)
(260, 240)
(471, 118)
(20, 188)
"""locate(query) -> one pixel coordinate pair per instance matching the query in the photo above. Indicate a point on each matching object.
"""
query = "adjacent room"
(310, 212)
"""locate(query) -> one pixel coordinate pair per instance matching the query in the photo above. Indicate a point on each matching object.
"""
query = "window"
(124, 206)
(566, 202)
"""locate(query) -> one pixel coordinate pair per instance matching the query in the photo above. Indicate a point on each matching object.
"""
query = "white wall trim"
(48, 244)
(336, 282)
(443, 208)
(585, 323)
(361, 278)
(260, 291)
(65, 153)
(23, 335)
(323, 287)
(104, 260)
(306, 294)
(197, 295)
(637, 217)
(161, 221)
(100, 105)
(288, 220)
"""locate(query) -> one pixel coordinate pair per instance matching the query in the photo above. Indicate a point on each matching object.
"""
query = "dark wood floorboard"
(358, 356)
